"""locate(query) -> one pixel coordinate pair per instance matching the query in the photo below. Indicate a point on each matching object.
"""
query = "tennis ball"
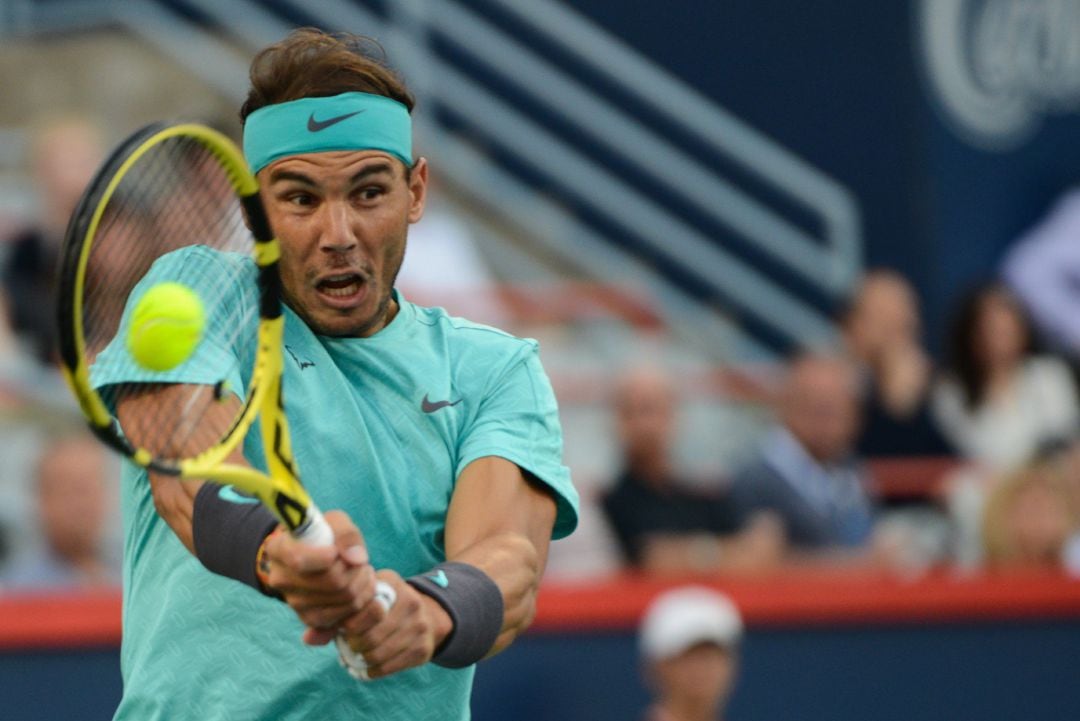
(166, 325)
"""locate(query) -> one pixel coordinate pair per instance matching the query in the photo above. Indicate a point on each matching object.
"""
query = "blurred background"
(805, 278)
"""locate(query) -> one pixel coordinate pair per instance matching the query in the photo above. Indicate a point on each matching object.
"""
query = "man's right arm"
(325, 581)
(147, 425)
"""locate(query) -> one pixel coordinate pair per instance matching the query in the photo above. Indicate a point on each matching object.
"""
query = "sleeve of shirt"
(220, 355)
(519, 420)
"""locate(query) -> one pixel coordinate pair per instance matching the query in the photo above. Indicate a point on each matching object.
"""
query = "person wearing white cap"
(689, 641)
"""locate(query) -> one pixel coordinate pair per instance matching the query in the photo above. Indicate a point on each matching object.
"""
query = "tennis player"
(436, 437)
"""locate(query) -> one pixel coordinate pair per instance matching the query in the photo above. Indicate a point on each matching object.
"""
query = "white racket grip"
(315, 531)
(354, 662)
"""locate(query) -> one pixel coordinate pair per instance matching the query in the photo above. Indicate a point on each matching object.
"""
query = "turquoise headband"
(350, 121)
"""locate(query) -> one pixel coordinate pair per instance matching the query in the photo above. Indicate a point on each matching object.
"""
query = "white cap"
(680, 619)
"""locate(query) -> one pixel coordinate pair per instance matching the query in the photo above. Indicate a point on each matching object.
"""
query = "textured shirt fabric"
(820, 505)
(372, 437)
(637, 509)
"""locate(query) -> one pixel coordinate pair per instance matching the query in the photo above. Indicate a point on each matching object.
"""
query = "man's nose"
(338, 232)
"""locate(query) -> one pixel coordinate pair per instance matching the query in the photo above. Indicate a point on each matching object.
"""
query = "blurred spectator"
(999, 401)
(882, 334)
(689, 641)
(1043, 268)
(64, 154)
(73, 508)
(9, 352)
(806, 470)
(1031, 520)
(662, 524)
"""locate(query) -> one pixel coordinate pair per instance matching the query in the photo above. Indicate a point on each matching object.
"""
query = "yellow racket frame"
(279, 489)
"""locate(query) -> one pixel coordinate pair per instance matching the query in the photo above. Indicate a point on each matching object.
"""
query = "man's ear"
(418, 181)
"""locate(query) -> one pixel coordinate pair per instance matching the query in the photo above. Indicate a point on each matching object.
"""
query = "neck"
(999, 373)
(654, 469)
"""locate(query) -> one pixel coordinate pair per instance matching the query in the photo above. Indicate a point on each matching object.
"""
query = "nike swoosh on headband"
(315, 126)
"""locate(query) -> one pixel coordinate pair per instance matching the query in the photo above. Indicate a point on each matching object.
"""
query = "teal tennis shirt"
(381, 428)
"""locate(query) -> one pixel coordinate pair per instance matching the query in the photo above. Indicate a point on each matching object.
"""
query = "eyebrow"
(374, 169)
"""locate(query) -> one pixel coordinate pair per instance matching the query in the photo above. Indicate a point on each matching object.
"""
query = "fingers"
(327, 585)
(406, 637)
(354, 662)
(291, 556)
(327, 610)
(348, 539)
(333, 591)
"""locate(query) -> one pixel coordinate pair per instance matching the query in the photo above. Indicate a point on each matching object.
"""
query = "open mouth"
(341, 286)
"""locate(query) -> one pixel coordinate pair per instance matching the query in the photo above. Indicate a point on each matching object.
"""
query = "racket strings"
(174, 197)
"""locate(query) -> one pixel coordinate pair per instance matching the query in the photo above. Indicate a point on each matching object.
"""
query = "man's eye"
(301, 199)
(370, 193)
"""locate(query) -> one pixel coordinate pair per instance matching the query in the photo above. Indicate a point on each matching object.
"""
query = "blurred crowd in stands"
(873, 455)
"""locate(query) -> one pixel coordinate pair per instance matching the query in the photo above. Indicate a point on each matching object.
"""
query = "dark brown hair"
(310, 63)
(962, 354)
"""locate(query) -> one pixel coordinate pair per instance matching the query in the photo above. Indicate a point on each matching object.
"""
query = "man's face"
(645, 415)
(72, 497)
(821, 407)
(341, 218)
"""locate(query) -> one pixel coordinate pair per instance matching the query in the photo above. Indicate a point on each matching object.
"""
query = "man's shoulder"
(463, 336)
(757, 473)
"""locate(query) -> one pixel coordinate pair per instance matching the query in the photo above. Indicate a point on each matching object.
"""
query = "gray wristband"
(227, 535)
(474, 604)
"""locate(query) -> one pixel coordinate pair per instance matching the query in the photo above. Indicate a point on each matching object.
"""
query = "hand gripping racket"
(177, 203)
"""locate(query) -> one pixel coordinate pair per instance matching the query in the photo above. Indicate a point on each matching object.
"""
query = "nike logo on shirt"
(439, 579)
(428, 406)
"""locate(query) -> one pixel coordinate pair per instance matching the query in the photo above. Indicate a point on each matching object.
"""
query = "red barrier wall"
(795, 598)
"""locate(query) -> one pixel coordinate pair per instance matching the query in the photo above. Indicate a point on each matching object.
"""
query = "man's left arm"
(499, 524)
(498, 529)
(500, 521)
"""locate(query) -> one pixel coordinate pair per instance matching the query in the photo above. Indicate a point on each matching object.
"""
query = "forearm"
(513, 562)
(175, 503)
(500, 522)
(140, 417)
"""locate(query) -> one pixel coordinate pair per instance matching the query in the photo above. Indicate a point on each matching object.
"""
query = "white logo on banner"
(997, 66)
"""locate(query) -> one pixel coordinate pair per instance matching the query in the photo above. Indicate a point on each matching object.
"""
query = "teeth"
(342, 285)
(342, 292)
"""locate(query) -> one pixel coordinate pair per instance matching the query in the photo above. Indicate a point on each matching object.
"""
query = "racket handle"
(315, 531)
(354, 662)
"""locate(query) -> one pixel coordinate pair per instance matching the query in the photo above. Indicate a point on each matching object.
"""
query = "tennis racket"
(177, 203)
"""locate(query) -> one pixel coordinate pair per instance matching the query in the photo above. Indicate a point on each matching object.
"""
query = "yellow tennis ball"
(166, 325)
